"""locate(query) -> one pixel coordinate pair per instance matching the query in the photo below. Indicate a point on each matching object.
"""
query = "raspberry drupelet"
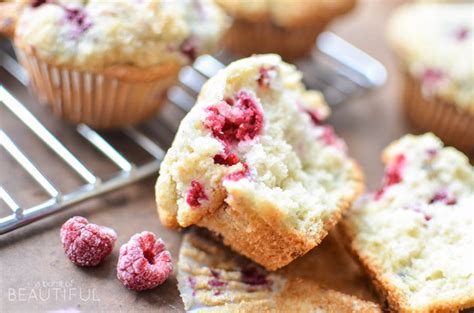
(143, 263)
(86, 244)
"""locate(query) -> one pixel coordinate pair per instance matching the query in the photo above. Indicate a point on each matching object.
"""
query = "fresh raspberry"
(233, 121)
(265, 75)
(86, 244)
(235, 176)
(443, 196)
(393, 175)
(195, 194)
(226, 158)
(143, 262)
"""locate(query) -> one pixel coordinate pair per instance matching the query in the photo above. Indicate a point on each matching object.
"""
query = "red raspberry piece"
(315, 115)
(444, 197)
(393, 175)
(432, 152)
(79, 19)
(265, 75)
(195, 194)
(189, 48)
(254, 276)
(329, 137)
(226, 158)
(234, 121)
(432, 76)
(461, 33)
(418, 209)
(216, 283)
(86, 244)
(235, 176)
(143, 262)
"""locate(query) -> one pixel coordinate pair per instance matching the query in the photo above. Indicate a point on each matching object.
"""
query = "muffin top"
(95, 34)
(435, 41)
(287, 13)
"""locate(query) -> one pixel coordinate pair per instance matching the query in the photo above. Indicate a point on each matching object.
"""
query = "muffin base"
(121, 96)
(453, 125)
(271, 245)
(247, 37)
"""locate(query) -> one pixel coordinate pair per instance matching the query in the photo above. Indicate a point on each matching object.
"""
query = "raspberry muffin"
(434, 42)
(415, 235)
(288, 28)
(252, 162)
(213, 279)
(9, 12)
(109, 63)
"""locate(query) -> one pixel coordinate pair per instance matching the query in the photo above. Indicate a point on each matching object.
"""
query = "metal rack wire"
(338, 69)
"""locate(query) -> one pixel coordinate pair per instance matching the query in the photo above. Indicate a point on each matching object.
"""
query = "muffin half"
(253, 163)
(415, 235)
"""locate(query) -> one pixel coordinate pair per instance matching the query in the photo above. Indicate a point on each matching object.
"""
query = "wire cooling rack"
(338, 69)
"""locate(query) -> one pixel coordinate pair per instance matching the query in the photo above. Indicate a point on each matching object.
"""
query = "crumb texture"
(416, 233)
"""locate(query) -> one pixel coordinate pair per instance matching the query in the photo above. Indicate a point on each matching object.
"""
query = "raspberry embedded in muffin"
(235, 119)
(196, 194)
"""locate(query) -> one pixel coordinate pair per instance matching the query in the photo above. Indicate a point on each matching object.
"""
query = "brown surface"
(31, 258)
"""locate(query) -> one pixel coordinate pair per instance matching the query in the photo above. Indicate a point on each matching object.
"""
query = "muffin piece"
(109, 63)
(415, 235)
(434, 42)
(286, 27)
(213, 279)
(252, 162)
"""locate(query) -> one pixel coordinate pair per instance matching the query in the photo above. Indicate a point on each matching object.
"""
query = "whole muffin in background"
(285, 27)
(109, 63)
(434, 42)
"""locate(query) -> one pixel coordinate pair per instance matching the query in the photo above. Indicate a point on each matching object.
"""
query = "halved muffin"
(253, 163)
(415, 235)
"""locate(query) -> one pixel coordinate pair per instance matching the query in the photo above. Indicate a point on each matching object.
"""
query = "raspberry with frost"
(144, 263)
(86, 244)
